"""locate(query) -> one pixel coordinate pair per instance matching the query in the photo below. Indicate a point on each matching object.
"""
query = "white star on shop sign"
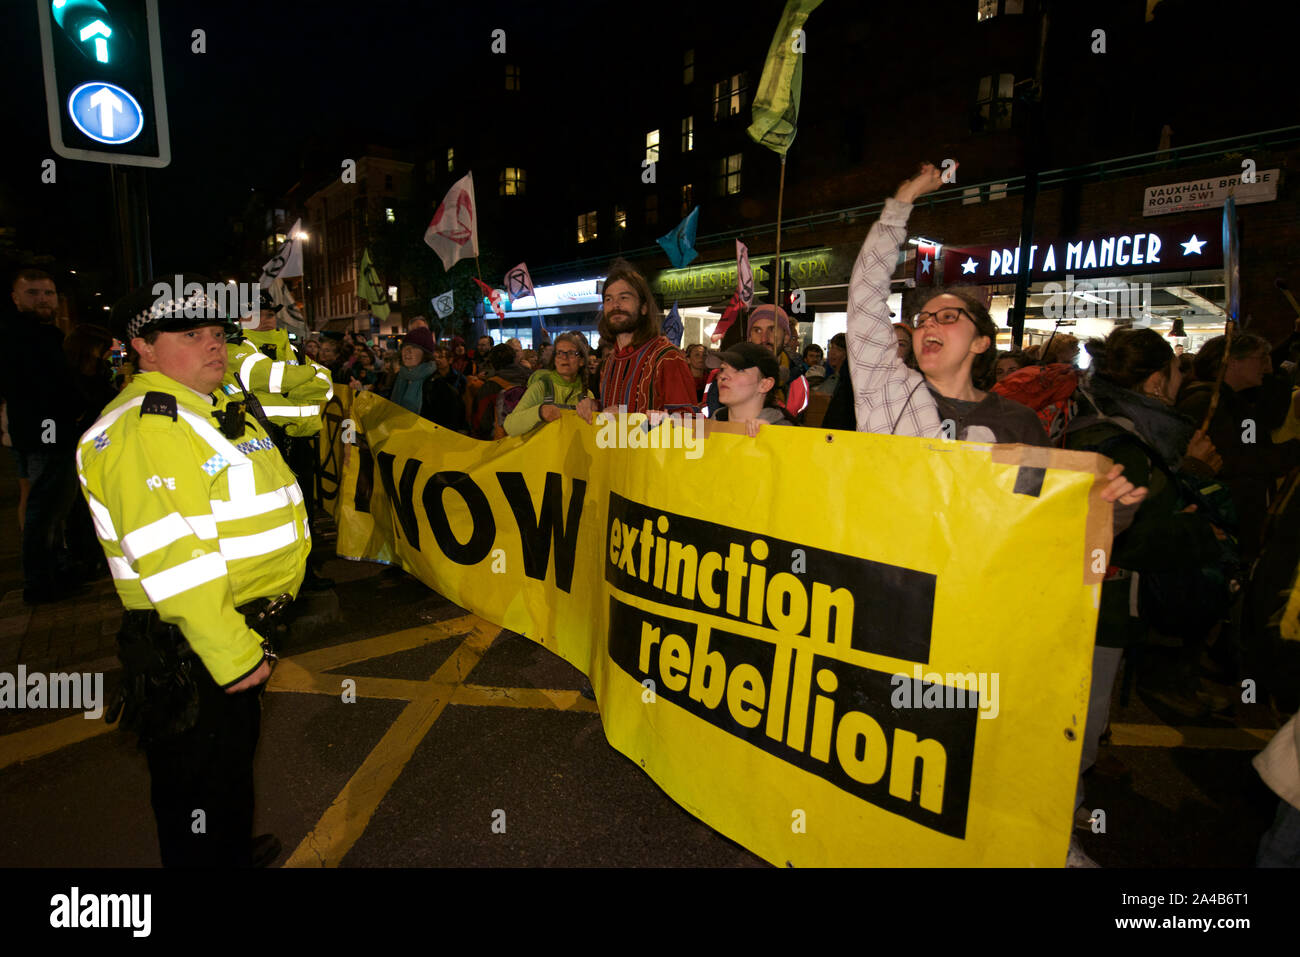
(968, 266)
(1193, 246)
(925, 264)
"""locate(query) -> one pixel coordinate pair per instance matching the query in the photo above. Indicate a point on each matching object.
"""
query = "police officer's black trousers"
(202, 780)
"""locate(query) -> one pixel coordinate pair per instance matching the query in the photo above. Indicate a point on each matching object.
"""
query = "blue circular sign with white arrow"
(105, 112)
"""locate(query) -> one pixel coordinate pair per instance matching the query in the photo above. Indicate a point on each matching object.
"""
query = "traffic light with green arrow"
(104, 91)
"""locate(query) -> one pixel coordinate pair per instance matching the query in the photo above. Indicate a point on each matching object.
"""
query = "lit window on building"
(997, 191)
(988, 9)
(729, 175)
(620, 217)
(389, 215)
(512, 181)
(652, 146)
(688, 133)
(993, 102)
(688, 68)
(451, 159)
(587, 227)
(688, 198)
(652, 209)
(512, 77)
(970, 195)
(729, 96)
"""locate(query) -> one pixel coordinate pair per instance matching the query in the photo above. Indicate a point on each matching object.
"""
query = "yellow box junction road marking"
(347, 817)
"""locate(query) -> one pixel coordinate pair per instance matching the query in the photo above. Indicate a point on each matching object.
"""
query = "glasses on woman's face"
(944, 317)
(567, 354)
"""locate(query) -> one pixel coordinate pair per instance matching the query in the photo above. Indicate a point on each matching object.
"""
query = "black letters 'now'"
(536, 532)
(402, 503)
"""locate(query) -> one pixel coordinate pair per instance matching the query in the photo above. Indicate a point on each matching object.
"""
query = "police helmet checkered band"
(172, 302)
(196, 306)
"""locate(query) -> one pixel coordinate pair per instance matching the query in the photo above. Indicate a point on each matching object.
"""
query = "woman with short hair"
(552, 389)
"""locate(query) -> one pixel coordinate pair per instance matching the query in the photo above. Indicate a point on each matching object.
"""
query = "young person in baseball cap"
(746, 383)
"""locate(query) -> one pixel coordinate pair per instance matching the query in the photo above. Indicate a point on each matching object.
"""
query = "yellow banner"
(834, 648)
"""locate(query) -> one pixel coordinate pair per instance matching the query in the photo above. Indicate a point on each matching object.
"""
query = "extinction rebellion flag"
(287, 261)
(519, 284)
(371, 289)
(453, 233)
(776, 102)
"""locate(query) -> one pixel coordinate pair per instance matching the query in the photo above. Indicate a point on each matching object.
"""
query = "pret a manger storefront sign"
(1183, 247)
(1209, 193)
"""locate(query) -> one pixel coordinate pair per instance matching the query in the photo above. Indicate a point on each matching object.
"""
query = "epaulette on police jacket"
(159, 403)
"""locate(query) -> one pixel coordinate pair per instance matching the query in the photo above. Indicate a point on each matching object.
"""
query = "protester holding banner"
(646, 371)
(747, 377)
(550, 390)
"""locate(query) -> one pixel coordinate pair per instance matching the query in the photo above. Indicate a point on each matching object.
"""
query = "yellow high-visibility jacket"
(292, 394)
(193, 524)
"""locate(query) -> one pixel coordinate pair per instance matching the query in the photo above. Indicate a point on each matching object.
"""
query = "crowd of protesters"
(1206, 447)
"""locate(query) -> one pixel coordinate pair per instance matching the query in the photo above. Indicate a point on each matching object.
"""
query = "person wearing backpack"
(498, 395)
(1127, 414)
(550, 390)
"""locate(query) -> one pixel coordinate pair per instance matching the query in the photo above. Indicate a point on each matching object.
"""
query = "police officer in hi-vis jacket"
(207, 539)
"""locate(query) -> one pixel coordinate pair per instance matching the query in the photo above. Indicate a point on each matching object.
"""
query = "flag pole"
(776, 265)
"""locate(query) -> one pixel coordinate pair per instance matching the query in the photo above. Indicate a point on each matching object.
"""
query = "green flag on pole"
(371, 289)
(776, 104)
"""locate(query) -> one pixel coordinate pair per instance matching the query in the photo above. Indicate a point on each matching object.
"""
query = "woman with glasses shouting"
(558, 386)
(953, 341)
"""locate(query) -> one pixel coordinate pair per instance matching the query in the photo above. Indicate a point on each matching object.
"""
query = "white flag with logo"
(744, 275)
(453, 233)
(287, 261)
(443, 305)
